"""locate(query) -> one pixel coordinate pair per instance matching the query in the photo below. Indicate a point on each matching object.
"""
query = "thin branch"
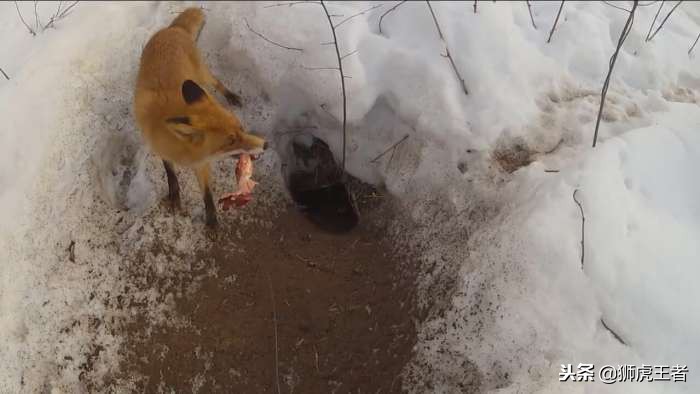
(67, 10)
(32, 32)
(342, 78)
(447, 50)
(614, 334)
(319, 68)
(323, 107)
(291, 4)
(381, 18)
(623, 35)
(388, 164)
(358, 14)
(349, 54)
(36, 16)
(274, 320)
(583, 228)
(391, 148)
(60, 14)
(268, 40)
(692, 47)
(665, 19)
(654, 21)
(475, 6)
(435, 20)
(5, 74)
(615, 6)
(529, 9)
(554, 26)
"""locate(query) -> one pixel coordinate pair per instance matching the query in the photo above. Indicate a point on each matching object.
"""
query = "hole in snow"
(316, 185)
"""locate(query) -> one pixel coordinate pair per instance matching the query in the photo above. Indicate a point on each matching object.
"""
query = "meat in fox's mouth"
(252, 156)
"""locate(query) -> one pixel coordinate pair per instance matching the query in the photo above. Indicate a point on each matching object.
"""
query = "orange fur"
(179, 118)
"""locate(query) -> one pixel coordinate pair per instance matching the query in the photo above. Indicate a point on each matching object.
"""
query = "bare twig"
(349, 54)
(437, 25)
(692, 47)
(31, 31)
(67, 10)
(54, 16)
(268, 40)
(653, 22)
(623, 35)
(447, 50)
(59, 14)
(37, 23)
(358, 14)
(291, 3)
(529, 9)
(554, 26)
(615, 6)
(665, 19)
(381, 18)
(323, 107)
(319, 68)
(614, 334)
(4, 74)
(316, 353)
(342, 78)
(391, 148)
(583, 228)
(274, 320)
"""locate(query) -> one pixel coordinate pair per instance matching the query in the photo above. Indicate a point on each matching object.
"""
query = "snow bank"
(537, 307)
(499, 236)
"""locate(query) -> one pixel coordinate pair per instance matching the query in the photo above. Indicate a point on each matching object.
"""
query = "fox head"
(209, 128)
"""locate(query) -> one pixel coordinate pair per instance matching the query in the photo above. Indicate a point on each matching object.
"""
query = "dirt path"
(341, 319)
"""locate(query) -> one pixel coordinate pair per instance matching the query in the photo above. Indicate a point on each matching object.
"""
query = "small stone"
(462, 167)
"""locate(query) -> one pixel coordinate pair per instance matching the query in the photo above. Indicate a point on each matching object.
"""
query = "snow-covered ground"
(501, 249)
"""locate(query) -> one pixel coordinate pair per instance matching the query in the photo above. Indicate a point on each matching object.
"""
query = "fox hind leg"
(173, 186)
(203, 176)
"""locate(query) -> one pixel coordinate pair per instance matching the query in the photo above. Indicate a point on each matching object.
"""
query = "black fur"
(191, 92)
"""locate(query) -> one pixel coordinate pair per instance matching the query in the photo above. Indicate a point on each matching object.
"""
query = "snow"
(501, 251)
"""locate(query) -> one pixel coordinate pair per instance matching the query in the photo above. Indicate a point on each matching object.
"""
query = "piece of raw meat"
(244, 192)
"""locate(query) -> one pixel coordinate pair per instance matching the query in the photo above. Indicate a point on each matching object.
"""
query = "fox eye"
(232, 139)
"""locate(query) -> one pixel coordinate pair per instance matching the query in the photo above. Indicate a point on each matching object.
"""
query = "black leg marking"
(173, 185)
(210, 208)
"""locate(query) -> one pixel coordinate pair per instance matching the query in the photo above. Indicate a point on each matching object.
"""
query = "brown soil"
(290, 305)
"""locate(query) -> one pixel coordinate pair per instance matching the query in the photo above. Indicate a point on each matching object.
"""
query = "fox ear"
(182, 128)
(192, 93)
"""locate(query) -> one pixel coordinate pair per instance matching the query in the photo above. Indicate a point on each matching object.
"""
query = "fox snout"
(250, 144)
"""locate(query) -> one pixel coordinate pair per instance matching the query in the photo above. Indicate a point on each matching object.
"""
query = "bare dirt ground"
(289, 304)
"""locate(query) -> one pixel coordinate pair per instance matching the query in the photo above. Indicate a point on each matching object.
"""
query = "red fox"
(180, 120)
